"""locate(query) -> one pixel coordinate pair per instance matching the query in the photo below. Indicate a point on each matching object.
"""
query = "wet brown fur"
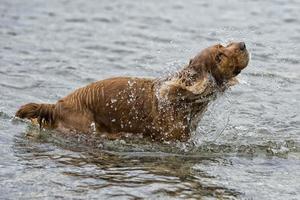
(167, 109)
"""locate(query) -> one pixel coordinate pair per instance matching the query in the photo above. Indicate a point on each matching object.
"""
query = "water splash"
(214, 121)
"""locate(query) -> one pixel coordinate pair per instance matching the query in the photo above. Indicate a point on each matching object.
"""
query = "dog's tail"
(43, 113)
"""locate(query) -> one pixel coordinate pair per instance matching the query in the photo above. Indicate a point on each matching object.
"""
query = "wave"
(144, 147)
(204, 144)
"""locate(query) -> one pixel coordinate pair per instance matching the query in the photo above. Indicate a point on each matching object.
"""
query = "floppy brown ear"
(175, 93)
(174, 90)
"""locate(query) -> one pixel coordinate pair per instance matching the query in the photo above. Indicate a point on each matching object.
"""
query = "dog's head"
(216, 64)
(223, 62)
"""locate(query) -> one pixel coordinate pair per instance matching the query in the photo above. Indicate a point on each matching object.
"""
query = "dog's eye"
(219, 57)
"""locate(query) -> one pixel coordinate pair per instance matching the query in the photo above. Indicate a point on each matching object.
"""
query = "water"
(247, 145)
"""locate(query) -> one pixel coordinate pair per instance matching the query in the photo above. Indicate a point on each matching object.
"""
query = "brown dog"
(164, 109)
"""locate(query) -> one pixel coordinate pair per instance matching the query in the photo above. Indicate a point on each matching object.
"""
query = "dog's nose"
(242, 46)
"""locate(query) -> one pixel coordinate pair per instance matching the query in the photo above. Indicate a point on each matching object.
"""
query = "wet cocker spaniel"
(164, 109)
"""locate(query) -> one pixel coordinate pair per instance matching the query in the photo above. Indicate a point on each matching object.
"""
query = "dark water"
(246, 147)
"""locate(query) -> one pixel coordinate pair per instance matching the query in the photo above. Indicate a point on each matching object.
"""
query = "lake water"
(246, 147)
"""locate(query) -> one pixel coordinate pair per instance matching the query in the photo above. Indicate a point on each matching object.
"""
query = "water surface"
(246, 147)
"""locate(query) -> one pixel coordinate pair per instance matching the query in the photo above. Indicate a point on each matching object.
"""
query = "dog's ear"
(168, 90)
(191, 60)
(173, 91)
(200, 85)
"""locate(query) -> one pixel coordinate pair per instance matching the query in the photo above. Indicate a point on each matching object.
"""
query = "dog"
(165, 109)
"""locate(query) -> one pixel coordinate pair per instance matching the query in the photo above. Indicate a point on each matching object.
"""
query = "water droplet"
(113, 100)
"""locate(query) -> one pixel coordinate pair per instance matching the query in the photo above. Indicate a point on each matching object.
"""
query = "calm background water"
(246, 147)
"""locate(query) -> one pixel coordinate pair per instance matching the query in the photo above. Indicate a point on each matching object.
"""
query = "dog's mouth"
(236, 72)
(243, 63)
